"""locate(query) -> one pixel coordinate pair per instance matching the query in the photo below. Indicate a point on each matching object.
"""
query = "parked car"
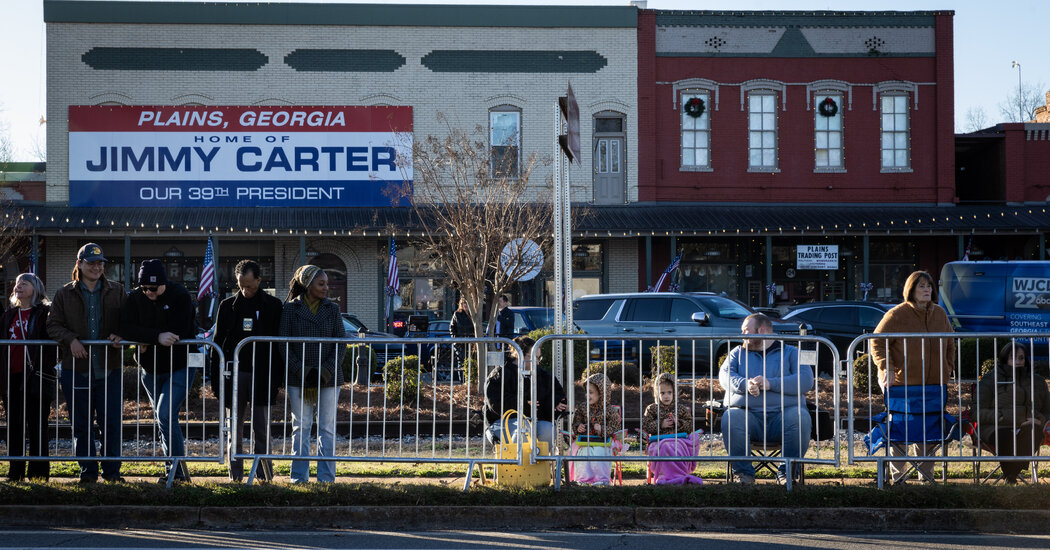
(841, 322)
(645, 319)
(355, 328)
(526, 320)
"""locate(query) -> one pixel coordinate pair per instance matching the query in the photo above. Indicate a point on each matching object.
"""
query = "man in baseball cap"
(88, 308)
(91, 252)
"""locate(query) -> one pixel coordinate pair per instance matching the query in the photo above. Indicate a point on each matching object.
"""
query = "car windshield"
(540, 318)
(354, 324)
(724, 307)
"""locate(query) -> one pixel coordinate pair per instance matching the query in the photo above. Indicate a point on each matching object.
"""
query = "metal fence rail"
(421, 406)
(65, 412)
(695, 363)
(957, 411)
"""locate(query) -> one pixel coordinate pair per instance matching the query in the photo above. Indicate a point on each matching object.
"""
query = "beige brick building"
(460, 62)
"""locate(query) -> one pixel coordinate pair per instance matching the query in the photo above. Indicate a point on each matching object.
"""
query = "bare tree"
(39, 149)
(976, 119)
(472, 201)
(1031, 96)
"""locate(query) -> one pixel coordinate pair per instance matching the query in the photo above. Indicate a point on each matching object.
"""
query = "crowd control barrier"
(408, 400)
(698, 407)
(93, 414)
(935, 410)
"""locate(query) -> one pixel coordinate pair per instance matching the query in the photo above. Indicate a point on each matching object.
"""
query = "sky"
(989, 36)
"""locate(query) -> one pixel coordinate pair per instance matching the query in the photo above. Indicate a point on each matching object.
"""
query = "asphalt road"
(544, 540)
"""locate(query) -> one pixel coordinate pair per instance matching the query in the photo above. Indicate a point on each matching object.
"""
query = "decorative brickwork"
(174, 59)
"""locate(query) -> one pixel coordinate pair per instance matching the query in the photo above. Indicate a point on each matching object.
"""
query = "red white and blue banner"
(223, 156)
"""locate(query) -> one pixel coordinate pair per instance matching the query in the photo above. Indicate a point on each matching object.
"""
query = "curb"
(531, 518)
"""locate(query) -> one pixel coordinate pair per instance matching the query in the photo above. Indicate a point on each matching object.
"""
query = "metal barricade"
(144, 409)
(404, 400)
(935, 410)
(693, 363)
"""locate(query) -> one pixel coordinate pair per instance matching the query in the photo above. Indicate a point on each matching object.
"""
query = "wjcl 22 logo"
(1030, 292)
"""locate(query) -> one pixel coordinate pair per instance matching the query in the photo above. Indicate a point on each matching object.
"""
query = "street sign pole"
(566, 109)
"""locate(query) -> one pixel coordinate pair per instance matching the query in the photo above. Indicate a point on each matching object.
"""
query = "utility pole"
(1020, 109)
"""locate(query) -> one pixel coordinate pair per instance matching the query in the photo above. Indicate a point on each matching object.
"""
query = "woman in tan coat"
(914, 361)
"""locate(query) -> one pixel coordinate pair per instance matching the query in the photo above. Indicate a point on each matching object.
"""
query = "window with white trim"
(827, 125)
(696, 130)
(762, 130)
(505, 140)
(896, 150)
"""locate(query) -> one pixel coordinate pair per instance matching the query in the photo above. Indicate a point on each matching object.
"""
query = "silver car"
(642, 320)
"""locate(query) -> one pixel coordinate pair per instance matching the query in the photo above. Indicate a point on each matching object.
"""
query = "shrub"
(860, 376)
(579, 351)
(616, 371)
(402, 377)
(470, 370)
(358, 355)
(129, 356)
(974, 352)
(664, 359)
(988, 365)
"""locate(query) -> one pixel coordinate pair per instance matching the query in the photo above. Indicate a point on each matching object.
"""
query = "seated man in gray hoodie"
(765, 398)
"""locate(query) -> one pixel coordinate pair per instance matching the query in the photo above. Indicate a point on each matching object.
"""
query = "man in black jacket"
(504, 318)
(501, 395)
(158, 314)
(259, 373)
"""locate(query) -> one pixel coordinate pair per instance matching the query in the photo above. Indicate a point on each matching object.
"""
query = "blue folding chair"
(914, 414)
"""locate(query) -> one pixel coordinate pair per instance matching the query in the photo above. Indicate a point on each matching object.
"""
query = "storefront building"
(843, 121)
(141, 93)
(803, 155)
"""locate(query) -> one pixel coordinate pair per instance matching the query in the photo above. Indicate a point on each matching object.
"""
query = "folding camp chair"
(767, 450)
(914, 415)
(996, 475)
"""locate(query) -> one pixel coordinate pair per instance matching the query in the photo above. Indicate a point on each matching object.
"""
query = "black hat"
(90, 252)
(152, 272)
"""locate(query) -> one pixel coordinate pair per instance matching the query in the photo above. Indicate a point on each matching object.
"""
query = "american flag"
(32, 262)
(966, 254)
(393, 283)
(663, 277)
(207, 274)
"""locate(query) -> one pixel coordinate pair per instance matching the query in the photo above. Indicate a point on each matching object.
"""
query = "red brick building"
(765, 134)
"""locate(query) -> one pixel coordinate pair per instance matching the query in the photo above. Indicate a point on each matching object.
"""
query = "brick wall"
(621, 269)
(61, 254)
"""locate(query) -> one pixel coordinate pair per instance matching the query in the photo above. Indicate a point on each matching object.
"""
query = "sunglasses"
(149, 288)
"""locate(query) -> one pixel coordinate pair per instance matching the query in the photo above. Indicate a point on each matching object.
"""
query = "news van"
(997, 296)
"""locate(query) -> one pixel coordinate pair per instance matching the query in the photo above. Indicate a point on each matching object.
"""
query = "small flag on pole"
(32, 262)
(207, 274)
(966, 254)
(393, 283)
(663, 277)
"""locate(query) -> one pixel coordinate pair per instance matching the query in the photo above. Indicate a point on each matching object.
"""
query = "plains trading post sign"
(222, 156)
(817, 256)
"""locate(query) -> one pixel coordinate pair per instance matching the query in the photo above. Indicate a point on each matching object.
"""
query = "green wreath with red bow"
(695, 107)
(828, 107)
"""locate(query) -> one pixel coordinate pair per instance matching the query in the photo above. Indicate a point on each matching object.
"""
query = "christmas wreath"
(828, 107)
(694, 107)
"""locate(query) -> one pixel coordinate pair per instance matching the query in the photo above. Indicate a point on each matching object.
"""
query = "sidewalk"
(528, 518)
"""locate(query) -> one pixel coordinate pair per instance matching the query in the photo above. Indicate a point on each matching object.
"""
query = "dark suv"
(646, 319)
(841, 322)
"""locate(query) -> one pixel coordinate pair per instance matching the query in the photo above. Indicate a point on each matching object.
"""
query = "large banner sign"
(222, 156)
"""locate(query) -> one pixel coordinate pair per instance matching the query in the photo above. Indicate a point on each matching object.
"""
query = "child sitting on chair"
(670, 431)
(594, 424)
